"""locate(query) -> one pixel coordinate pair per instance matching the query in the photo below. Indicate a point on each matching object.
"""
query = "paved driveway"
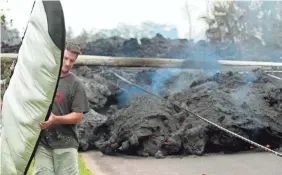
(235, 164)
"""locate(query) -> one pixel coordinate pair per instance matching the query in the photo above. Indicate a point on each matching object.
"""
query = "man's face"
(68, 61)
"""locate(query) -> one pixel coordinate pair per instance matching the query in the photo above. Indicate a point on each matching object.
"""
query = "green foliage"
(225, 23)
(253, 21)
(3, 19)
(5, 75)
(3, 16)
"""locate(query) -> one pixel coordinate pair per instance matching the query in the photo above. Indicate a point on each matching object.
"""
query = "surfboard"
(29, 96)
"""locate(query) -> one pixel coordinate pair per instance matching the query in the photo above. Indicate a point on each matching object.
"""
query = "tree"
(253, 28)
(82, 39)
(237, 21)
(8, 35)
(69, 35)
(4, 21)
(226, 24)
(187, 9)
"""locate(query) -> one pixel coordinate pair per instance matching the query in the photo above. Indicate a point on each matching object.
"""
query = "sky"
(106, 14)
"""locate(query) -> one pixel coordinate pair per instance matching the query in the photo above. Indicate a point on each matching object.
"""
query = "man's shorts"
(56, 161)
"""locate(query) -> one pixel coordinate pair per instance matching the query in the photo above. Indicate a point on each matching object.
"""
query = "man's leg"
(43, 164)
(65, 161)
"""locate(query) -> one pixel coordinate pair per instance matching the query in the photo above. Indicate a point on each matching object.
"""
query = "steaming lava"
(136, 123)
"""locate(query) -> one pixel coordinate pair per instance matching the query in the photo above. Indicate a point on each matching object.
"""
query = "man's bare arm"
(72, 118)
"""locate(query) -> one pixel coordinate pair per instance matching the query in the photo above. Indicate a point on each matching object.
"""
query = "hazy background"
(93, 15)
(202, 29)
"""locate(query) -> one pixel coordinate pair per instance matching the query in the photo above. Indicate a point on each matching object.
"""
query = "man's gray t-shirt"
(70, 97)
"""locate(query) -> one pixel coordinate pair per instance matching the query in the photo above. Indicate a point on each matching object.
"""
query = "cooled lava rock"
(245, 103)
(88, 127)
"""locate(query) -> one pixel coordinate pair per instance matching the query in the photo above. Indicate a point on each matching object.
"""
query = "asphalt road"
(233, 164)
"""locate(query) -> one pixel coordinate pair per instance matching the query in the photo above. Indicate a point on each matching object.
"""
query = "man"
(57, 151)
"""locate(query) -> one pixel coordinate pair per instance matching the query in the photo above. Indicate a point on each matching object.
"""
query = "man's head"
(71, 53)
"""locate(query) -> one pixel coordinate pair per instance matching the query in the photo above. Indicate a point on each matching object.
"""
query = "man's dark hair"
(73, 47)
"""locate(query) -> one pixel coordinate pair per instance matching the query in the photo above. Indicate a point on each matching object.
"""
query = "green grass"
(83, 170)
